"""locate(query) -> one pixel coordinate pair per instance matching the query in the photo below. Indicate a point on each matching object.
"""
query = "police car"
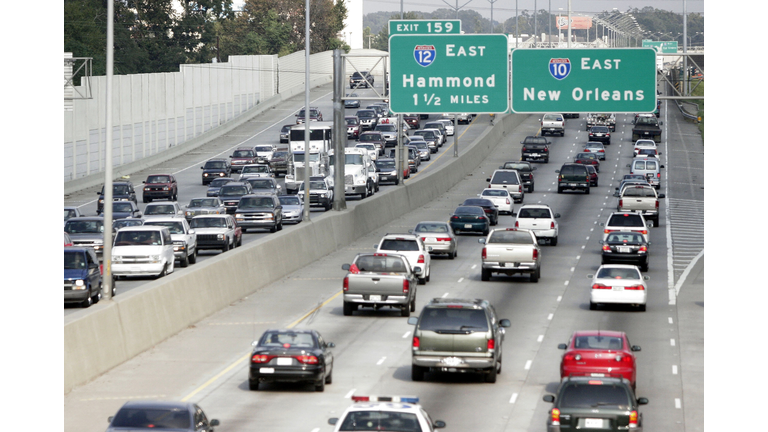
(385, 413)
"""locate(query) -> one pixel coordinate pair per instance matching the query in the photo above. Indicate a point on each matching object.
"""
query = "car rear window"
(399, 245)
(504, 236)
(453, 319)
(380, 421)
(598, 342)
(534, 213)
(638, 191)
(599, 129)
(287, 340)
(505, 177)
(619, 273)
(628, 238)
(645, 165)
(517, 166)
(495, 192)
(569, 170)
(583, 395)
(625, 220)
(469, 210)
(152, 418)
(380, 264)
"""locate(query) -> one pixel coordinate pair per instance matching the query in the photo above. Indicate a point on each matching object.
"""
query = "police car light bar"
(403, 399)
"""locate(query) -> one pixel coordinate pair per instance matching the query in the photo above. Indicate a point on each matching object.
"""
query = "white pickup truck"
(511, 251)
(412, 248)
(377, 280)
(552, 124)
(640, 199)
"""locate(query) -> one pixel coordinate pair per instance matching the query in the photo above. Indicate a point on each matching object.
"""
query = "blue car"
(82, 276)
(470, 219)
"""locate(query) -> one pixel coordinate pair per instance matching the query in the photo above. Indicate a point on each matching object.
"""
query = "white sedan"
(500, 198)
(618, 284)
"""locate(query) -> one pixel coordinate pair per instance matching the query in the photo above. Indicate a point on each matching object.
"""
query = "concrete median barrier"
(111, 333)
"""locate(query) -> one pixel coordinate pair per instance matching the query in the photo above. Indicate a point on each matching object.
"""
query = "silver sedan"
(204, 206)
(439, 236)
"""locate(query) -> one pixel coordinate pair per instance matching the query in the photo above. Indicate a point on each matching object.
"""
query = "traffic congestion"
(409, 328)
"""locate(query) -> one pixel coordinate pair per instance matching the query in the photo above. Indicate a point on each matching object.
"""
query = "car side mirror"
(662, 166)
(557, 171)
(635, 348)
(505, 323)
(418, 270)
(662, 196)
(429, 248)
(192, 231)
(557, 215)
(230, 156)
(488, 179)
(549, 398)
(601, 242)
(438, 424)
(562, 346)
(642, 401)
(629, 165)
(646, 278)
(413, 320)
(481, 240)
(602, 223)
(213, 422)
(345, 267)
(590, 276)
(333, 420)
(376, 246)
(331, 345)
(109, 419)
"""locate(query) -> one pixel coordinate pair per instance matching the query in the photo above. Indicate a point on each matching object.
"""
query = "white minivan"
(143, 251)
(650, 167)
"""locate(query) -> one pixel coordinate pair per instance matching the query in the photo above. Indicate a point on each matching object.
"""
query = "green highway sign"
(448, 73)
(664, 47)
(583, 80)
(424, 27)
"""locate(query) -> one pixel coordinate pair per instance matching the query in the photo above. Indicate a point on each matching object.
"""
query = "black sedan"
(470, 219)
(215, 186)
(160, 415)
(488, 207)
(600, 133)
(291, 356)
(626, 248)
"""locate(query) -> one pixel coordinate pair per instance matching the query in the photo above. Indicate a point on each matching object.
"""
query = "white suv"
(409, 246)
(539, 219)
(509, 180)
(143, 251)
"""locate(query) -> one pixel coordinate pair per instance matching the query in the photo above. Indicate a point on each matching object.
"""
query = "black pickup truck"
(647, 127)
(535, 148)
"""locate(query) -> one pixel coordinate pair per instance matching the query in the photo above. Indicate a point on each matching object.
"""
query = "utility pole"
(492, 2)
(108, 193)
(307, 169)
(339, 136)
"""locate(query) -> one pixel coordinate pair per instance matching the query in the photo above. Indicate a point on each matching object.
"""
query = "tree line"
(152, 36)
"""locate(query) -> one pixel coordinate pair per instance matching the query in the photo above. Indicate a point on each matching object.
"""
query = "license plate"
(266, 370)
(535, 154)
(452, 361)
(467, 225)
(617, 288)
(624, 249)
(375, 298)
(284, 361)
(597, 375)
(571, 184)
(593, 423)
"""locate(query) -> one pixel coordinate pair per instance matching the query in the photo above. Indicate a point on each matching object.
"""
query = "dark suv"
(361, 79)
(573, 176)
(457, 335)
(231, 193)
(595, 403)
(260, 211)
(160, 186)
(121, 191)
(216, 168)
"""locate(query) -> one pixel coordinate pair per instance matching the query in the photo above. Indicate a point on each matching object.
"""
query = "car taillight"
(624, 359)
(261, 358)
(572, 357)
(484, 255)
(415, 342)
(555, 417)
(306, 359)
(535, 254)
(621, 203)
(643, 249)
(421, 259)
(444, 239)
(546, 149)
(601, 151)
(657, 204)
(507, 200)
(606, 248)
(643, 232)
(406, 286)
(600, 286)
(489, 185)
(454, 217)
(517, 224)
(658, 175)
(101, 267)
(608, 231)
(423, 239)
(635, 288)
(346, 284)
(491, 345)
(552, 225)
(488, 210)
(633, 419)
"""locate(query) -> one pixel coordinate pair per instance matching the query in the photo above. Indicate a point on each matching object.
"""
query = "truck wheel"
(405, 311)
(535, 276)
(485, 275)
(184, 262)
(193, 258)
(417, 373)
(413, 305)
(553, 242)
(490, 377)
(87, 302)
(348, 308)
(226, 246)
(586, 191)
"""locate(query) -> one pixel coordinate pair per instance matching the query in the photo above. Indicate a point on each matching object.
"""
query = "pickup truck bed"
(641, 199)
(511, 251)
(648, 128)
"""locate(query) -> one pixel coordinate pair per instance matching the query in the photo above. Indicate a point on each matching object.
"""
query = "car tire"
(644, 267)
(553, 241)
(535, 276)
(87, 302)
(641, 308)
(417, 373)
(559, 190)
(490, 377)
(422, 281)
(413, 305)
(279, 227)
(397, 182)
(405, 311)
(485, 275)
(184, 262)
(592, 306)
(329, 378)
(225, 247)
(452, 255)
(273, 228)
(253, 385)
(320, 385)
(586, 191)
(193, 258)
(348, 308)
(486, 231)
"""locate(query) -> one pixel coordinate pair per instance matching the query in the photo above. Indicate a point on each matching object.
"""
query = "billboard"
(577, 23)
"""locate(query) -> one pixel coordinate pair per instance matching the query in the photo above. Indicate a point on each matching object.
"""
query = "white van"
(650, 167)
(143, 251)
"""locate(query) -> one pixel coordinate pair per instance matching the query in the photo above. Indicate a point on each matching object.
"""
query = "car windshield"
(598, 342)
(353, 159)
(263, 148)
(206, 222)
(158, 179)
(119, 190)
(261, 184)
(285, 128)
(233, 190)
(84, 227)
(504, 236)
(380, 421)
(534, 213)
(469, 210)
(386, 128)
(381, 264)
(453, 319)
(155, 418)
(366, 146)
(584, 395)
(421, 145)
(256, 202)
(431, 228)
(505, 177)
(290, 201)
(495, 192)
(382, 164)
(215, 165)
(122, 207)
(74, 260)
(618, 273)
(243, 153)
(399, 245)
(287, 340)
(203, 203)
(318, 185)
(69, 213)
(628, 238)
(366, 114)
(278, 155)
(138, 238)
(425, 134)
(370, 137)
(217, 183)
(161, 209)
(173, 227)
(351, 121)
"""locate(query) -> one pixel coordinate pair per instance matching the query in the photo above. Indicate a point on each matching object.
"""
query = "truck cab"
(358, 172)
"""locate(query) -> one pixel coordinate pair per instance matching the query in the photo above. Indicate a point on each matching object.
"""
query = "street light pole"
(306, 115)
(108, 193)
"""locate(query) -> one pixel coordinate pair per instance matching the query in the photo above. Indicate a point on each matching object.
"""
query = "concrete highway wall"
(111, 333)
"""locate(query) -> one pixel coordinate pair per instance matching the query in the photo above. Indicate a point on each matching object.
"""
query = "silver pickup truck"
(641, 199)
(380, 279)
(511, 251)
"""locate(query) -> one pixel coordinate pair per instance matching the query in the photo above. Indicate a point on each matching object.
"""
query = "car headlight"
(79, 285)
(220, 236)
(101, 201)
(189, 213)
(117, 259)
(155, 258)
(205, 174)
(239, 215)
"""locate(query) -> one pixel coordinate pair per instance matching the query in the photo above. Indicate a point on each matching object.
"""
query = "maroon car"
(353, 127)
(588, 159)
(241, 157)
(592, 172)
(412, 120)
(160, 186)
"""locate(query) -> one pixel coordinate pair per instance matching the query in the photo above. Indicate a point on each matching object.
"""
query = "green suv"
(572, 176)
(457, 335)
(591, 403)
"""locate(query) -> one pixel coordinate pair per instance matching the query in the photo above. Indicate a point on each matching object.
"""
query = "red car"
(599, 353)
(241, 157)
(160, 186)
(588, 159)
(592, 175)
(353, 127)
